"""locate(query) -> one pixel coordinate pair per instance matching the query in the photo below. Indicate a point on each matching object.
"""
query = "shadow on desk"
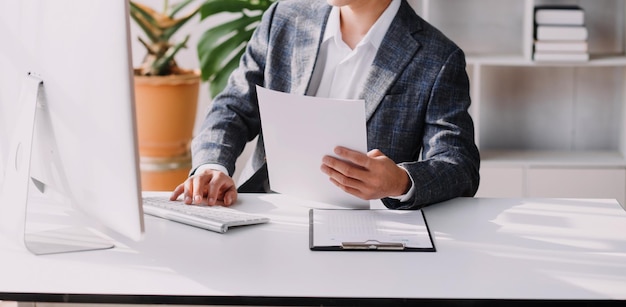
(562, 244)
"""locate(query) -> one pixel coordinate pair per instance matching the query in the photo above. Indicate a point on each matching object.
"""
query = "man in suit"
(413, 81)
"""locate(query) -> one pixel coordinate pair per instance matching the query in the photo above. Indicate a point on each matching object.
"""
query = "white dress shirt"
(344, 69)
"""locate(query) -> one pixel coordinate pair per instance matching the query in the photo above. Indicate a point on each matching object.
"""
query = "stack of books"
(560, 34)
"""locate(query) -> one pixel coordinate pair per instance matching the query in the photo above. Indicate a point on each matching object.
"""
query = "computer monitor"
(67, 123)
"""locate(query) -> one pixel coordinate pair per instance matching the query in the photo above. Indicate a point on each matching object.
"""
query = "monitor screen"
(67, 120)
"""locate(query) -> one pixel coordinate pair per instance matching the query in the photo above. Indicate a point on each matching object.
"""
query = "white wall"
(9, 30)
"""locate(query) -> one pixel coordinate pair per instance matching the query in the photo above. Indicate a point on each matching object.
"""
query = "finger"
(201, 187)
(230, 197)
(217, 187)
(353, 156)
(342, 180)
(375, 153)
(347, 189)
(188, 190)
(344, 168)
(177, 191)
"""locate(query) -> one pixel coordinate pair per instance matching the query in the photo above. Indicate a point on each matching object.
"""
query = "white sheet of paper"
(298, 131)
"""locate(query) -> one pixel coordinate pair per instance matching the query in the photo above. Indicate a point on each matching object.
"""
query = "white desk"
(512, 249)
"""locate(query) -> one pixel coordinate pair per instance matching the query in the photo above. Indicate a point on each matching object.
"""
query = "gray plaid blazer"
(417, 99)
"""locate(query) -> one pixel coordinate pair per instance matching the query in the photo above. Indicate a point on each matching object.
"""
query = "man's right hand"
(208, 187)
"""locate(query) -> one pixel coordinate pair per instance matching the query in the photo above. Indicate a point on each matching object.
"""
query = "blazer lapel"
(310, 31)
(396, 51)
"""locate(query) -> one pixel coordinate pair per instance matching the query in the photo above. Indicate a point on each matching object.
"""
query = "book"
(559, 15)
(561, 33)
(561, 56)
(565, 46)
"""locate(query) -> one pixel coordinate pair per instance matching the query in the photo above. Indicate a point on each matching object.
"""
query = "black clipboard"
(352, 230)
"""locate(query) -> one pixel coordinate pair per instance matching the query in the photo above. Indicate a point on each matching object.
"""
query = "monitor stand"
(65, 240)
(14, 197)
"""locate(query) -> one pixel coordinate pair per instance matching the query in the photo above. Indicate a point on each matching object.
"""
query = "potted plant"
(166, 97)
(219, 50)
(166, 94)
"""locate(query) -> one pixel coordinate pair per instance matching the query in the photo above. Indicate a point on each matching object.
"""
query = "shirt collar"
(374, 36)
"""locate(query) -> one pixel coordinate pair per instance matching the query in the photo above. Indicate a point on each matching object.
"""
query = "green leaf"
(145, 21)
(221, 78)
(225, 50)
(178, 7)
(217, 45)
(213, 7)
(169, 32)
(212, 38)
(161, 66)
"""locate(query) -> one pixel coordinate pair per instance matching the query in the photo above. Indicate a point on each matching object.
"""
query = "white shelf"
(597, 60)
(555, 128)
(529, 158)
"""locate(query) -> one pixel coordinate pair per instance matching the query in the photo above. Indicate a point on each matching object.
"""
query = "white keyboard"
(214, 218)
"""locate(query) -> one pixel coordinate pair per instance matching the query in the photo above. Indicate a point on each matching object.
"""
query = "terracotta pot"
(164, 174)
(166, 111)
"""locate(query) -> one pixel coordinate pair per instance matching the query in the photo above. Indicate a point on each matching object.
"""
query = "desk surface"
(512, 249)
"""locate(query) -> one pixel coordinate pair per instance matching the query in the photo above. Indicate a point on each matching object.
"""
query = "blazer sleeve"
(233, 118)
(450, 162)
